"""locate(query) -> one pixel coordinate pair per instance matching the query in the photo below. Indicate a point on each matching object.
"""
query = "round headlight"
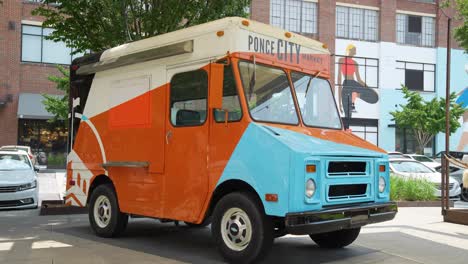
(310, 188)
(382, 184)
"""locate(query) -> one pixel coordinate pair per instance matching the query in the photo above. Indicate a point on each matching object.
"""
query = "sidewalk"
(52, 185)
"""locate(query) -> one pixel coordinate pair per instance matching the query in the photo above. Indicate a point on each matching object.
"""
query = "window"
(231, 101)
(316, 101)
(416, 30)
(365, 131)
(36, 48)
(294, 15)
(268, 94)
(405, 142)
(357, 23)
(417, 76)
(189, 92)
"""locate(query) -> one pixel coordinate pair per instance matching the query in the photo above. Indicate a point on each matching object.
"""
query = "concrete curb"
(59, 208)
(422, 204)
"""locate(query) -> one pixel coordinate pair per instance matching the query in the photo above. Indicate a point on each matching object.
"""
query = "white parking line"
(48, 244)
(6, 246)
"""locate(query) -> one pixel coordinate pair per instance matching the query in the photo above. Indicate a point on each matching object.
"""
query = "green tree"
(58, 105)
(426, 118)
(460, 32)
(101, 24)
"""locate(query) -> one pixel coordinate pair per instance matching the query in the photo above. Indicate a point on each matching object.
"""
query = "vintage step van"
(232, 123)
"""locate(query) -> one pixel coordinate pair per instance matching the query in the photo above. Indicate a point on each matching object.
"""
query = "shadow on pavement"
(196, 246)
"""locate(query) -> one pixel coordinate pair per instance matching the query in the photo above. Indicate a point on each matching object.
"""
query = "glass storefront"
(48, 141)
(405, 142)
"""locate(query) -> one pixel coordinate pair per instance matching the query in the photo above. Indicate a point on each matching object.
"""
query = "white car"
(415, 169)
(27, 149)
(18, 181)
(424, 160)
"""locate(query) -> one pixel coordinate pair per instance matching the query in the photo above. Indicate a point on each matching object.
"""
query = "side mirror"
(36, 168)
(216, 86)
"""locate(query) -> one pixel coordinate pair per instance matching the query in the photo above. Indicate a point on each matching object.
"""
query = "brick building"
(378, 45)
(26, 60)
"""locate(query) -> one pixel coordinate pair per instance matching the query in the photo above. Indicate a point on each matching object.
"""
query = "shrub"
(411, 189)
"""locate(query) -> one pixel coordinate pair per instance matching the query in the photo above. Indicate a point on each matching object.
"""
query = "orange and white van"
(232, 123)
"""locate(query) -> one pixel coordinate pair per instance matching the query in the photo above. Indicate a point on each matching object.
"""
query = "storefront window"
(405, 142)
(48, 141)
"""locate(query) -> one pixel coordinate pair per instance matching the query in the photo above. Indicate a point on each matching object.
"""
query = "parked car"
(456, 154)
(425, 160)
(18, 181)
(27, 149)
(416, 169)
(397, 155)
(456, 172)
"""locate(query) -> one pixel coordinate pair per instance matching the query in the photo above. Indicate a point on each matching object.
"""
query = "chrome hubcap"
(236, 229)
(102, 211)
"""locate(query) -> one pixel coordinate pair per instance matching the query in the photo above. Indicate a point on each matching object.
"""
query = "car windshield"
(14, 162)
(422, 158)
(268, 94)
(316, 101)
(410, 167)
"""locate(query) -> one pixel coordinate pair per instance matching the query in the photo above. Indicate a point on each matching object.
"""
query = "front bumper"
(339, 218)
(19, 200)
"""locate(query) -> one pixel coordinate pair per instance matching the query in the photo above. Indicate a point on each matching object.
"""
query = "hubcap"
(102, 211)
(236, 229)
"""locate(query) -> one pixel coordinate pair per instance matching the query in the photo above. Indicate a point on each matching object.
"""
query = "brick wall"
(17, 77)
(260, 11)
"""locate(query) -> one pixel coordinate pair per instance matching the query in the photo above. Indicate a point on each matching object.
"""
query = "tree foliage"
(101, 24)
(58, 105)
(460, 32)
(426, 118)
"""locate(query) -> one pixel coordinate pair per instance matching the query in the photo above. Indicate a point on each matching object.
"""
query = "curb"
(422, 204)
(59, 208)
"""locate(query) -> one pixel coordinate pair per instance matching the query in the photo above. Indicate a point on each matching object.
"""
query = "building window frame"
(365, 124)
(427, 36)
(42, 37)
(364, 24)
(426, 68)
(366, 65)
(279, 15)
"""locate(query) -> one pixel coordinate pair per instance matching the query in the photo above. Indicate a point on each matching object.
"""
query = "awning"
(30, 106)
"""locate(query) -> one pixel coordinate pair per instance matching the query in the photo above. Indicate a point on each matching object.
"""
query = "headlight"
(28, 186)
(310, 188)
(382, 184)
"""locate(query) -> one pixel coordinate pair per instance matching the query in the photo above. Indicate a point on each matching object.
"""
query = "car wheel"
(464, 194)
(336, 239)
(241, 230)
(104, 212)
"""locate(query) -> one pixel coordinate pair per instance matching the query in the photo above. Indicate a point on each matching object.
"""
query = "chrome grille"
(8, 189)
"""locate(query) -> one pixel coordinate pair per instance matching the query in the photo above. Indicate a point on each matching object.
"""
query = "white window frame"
(352, 22)
(305, 20)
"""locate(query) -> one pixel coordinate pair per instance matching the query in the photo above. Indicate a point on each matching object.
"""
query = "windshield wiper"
(310, 81)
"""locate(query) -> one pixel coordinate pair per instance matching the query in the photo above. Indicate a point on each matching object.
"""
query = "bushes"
(411, 189)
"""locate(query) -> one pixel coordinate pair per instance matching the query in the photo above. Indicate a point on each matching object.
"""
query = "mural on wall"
(463, 100)
(357, 83)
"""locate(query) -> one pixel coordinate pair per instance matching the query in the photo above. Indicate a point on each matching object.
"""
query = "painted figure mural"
(350, 84)
(463, 100)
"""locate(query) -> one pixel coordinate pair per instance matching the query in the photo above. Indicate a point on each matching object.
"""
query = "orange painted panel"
(132, 114)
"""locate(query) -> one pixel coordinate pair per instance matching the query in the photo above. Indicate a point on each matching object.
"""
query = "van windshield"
(268, 94)
(316, 101)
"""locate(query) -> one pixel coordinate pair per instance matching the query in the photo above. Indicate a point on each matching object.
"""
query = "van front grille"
(347, 191)
(347, 168)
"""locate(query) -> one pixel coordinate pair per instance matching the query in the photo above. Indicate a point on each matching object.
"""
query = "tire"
(336, 239)
(464, 194)
(240, 228)
(112, 222)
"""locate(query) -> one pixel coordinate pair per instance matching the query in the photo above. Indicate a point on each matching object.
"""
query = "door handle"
(168, 136)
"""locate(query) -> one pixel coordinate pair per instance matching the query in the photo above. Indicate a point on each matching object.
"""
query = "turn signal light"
(271, 197)
(382, 168)
(311, 168)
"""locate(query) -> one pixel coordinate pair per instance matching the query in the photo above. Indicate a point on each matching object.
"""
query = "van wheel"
(240, 229)
(104, 212)
(336, 239)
